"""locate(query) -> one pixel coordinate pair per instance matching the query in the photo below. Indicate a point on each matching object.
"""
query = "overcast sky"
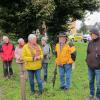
(90, 19)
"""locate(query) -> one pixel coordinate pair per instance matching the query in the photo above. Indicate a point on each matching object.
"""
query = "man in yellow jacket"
(64, 60)
(32, 56)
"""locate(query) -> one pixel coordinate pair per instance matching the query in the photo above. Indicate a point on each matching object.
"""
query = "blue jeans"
(65, 70)
(93, 73)
(45, 69)
(37, 74)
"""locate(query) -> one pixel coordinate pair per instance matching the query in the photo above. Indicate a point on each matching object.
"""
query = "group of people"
(32, 57)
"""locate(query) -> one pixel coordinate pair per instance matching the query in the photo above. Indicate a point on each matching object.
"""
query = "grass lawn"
(10, 89)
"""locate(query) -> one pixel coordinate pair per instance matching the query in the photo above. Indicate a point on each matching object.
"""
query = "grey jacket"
(46, 53)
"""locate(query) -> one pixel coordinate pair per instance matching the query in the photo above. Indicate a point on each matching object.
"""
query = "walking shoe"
(62, 88)
(90, 97)
(97, 98)
(32, 93)
(66, 89)
(39, 93)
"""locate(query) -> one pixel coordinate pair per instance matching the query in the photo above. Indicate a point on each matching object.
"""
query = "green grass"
(10, 89)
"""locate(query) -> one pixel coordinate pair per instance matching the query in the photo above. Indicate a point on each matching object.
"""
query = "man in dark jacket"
(93, 62)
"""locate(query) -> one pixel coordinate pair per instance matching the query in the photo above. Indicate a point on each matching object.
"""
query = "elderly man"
(93, 62)
(7, 55)
(32, 56)
(46, 53)
(64, 60)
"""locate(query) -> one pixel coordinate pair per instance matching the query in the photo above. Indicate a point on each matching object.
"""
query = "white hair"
(20, 40)
(31, 36)
(5, 37)
(44, 38)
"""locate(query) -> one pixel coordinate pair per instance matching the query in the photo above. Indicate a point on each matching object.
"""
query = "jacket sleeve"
(73, 51)
(25, 56)
(55, 51)
(41, 53)
(17, 56)
(50, 52)
(12, 52)
(1, 52)
(88, 50)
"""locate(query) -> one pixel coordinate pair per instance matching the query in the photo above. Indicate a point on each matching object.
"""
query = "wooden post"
(22, 82)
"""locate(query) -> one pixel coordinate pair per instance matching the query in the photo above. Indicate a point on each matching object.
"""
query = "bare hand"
(36, 58)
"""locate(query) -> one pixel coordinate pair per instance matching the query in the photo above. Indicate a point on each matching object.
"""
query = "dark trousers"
(45, 70)
(7, 68)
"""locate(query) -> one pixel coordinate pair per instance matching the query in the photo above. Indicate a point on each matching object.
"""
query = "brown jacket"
(93, 54)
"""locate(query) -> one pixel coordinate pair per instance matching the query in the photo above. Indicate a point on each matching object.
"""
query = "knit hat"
(95, 31)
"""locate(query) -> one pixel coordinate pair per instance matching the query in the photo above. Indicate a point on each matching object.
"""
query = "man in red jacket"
(7, 55)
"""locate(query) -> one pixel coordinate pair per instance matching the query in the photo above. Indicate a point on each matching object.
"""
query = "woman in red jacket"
(7, 55)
